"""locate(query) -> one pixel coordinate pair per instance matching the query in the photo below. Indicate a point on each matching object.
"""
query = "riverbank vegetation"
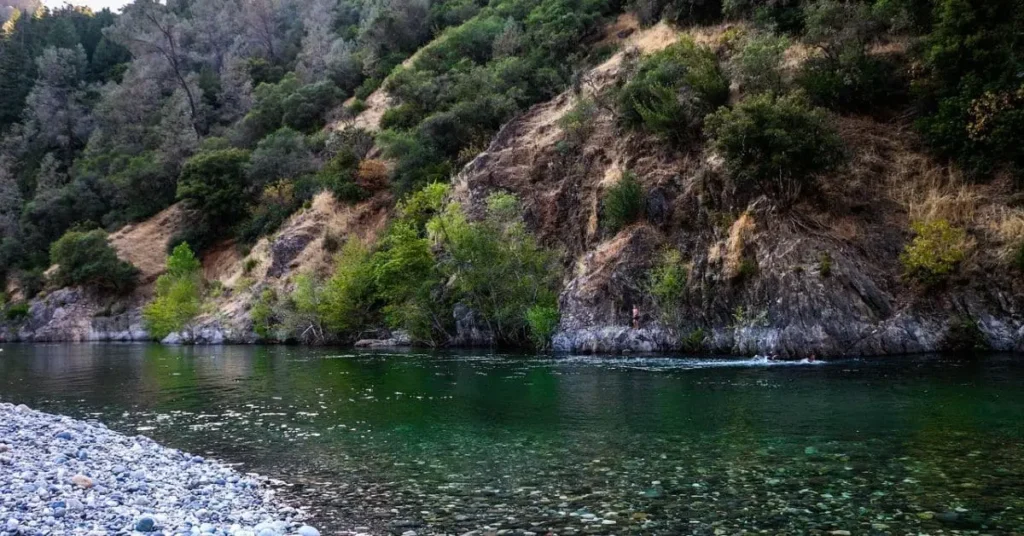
(431, 258)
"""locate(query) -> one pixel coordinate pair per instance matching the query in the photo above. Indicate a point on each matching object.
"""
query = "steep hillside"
(859, 220)
(884, 249)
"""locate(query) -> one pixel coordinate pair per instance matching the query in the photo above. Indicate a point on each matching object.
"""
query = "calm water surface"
(449, 443)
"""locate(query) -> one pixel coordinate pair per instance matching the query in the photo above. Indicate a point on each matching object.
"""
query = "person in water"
(636, 317)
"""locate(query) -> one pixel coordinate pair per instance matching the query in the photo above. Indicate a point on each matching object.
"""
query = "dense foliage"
(775, 145)
(86, 258)
(673, 90)
(623, 202)
(102, 113)
(936, 251)
(178, 297)
(431, 258)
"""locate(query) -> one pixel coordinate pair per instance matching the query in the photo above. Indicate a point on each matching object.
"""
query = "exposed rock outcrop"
(74, 315)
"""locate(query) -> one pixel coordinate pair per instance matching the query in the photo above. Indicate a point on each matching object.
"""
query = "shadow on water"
(457, 441)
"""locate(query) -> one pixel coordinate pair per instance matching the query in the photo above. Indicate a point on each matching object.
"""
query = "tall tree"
(56, 111)
(153, 32)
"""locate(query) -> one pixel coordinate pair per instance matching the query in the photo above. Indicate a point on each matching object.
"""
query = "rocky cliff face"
(74, 315)
(757, 275)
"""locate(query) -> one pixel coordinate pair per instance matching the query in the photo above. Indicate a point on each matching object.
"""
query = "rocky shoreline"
(72, 315)
(59, 475)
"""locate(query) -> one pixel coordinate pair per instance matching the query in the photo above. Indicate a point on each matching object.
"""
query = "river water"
(456, 442)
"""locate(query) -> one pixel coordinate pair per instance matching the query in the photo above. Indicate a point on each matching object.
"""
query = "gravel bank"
(61, 476)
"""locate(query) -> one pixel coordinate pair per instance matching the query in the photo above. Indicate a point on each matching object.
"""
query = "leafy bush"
(693, 342)
(284, 154)
(775, 144)
(578, 122)
(667, 286)
(677, 11)
(542, 321)
(305, 109)
(87, 259)
(825, 264)
(264, 318)
(16, 312)
(215, 184)
(673, 90)
(973, 95)
(964, 337)
(348, 295)
(178, 298)
(496, 267)
(851, 82)
(339, 176)
(623, 202)
(785, 16)
(757, 67)
(405, 271)
(937, 249)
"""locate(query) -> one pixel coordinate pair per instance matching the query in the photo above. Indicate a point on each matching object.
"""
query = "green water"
(448, 443)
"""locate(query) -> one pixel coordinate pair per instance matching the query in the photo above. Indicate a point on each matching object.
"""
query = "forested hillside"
(242, 112)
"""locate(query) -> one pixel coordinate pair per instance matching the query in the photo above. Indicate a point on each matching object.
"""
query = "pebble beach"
(60, 475)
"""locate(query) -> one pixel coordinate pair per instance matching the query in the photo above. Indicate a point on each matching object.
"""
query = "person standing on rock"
(636, 316)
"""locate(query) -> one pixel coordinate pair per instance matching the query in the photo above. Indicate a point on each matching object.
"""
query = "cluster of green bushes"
(476, 76)
(86, 258)
(673, 90)
(775, 145)
(432, 258)
(99, 112)
(623, 202)
(667, 286)
(935, 252)
(179, 293)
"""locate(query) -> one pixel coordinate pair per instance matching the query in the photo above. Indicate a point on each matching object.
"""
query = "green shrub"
(623, 202)
(693, 342)
(284, 154)
(964, 337)
(578, 122)
(401, 117)
(305, 109)
(972, 92)
(667, 286)
(348, 295)
(784, 16)
(825, 264)
(775, 145)
(249, 265)
(673, 90)
(366, 88)
(852, 82)
(17, 312)
(495, 266)
(748, 268)
(757, 67)
(178, 298)
(87, 259)
(215, 184)
(356, 107)
(936, 251)
(542, 322)
(264, 320)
